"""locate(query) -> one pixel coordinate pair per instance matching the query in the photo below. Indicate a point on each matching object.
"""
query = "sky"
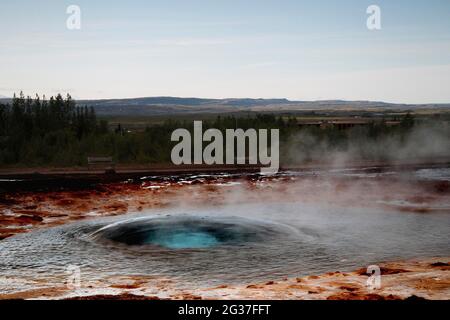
(300, 50)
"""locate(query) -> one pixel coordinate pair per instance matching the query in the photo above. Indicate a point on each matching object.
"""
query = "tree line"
(56, 132)
(38, 131)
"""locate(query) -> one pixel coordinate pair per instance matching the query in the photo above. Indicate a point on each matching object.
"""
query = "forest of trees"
(56, 132)
(41, 132)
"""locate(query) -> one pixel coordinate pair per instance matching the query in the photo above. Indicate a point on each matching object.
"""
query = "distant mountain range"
(150, 106)
(174, 105)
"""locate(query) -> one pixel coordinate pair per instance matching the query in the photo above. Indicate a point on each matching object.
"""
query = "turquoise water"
(183, 239)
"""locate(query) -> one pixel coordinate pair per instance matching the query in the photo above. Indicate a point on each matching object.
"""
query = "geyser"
(185, 232)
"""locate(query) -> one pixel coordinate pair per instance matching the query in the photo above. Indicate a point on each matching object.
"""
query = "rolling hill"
(154, 106)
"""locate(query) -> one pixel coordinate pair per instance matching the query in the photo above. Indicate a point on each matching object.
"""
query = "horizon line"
(2, 97)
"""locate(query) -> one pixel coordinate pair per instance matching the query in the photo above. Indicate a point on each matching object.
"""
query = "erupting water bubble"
(183, 239)
(186, 232)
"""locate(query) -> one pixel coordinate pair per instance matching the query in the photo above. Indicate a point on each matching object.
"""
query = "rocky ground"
(418, 279)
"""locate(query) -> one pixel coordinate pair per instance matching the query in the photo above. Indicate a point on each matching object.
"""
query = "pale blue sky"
(302, 50)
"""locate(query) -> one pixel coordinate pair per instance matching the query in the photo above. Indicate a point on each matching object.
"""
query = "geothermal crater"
(187, 232)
